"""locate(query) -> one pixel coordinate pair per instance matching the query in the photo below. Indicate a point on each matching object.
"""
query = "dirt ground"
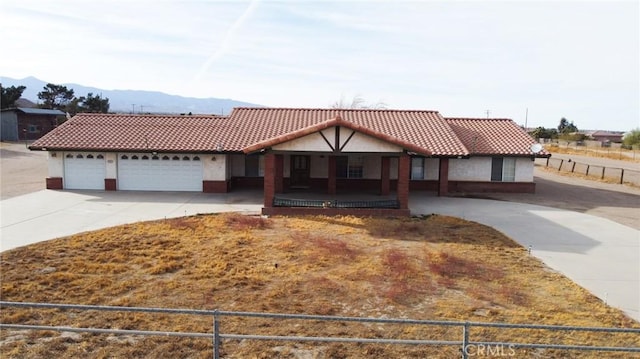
(24, 171)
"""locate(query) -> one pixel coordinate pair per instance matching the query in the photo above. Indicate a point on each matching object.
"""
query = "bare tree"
(357, 102)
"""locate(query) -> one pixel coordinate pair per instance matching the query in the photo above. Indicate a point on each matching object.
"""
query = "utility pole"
(133, 108)
(488, 112)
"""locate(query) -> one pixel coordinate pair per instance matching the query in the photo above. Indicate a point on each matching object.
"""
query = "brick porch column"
(279, 173)
(269, 179)
(331, 175)
(385, 176)
(404, 167)
(443, 177)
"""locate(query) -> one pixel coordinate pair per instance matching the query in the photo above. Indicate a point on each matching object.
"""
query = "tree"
(542, 132)
(93, 104)
(55, 96)
(358, 102)
(565, 126)
(10, 95)
(632, 138)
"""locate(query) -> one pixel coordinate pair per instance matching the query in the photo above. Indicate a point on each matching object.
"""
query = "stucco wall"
(214, 170)
(313, 142)
(360, 142)
(524, 170)
(55, 164)
(111, 164)
(471, 169)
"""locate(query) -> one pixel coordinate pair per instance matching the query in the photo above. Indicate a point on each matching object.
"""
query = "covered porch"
(340, 189)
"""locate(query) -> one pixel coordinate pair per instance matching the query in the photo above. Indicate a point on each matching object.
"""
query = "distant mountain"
(140, 101)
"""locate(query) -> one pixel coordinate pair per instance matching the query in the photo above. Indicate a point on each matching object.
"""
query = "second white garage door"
(162, 172)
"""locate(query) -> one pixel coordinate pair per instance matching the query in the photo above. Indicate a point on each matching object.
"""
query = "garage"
(159, 172)
(84, 170)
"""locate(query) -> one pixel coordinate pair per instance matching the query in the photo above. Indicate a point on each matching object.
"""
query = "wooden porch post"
(331, 175)
(269, 179)
(279, 174)
(443, 177)
(385, 176)
(404, 167)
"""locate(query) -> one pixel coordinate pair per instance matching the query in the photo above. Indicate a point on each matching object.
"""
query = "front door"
(300, 171)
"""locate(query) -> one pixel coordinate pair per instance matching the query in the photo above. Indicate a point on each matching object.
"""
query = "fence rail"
(614, 174)
(216, 336)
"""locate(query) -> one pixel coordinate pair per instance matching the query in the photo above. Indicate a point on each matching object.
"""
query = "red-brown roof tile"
(121, 132)
(424, 132)
(495, 136)
(250, 129)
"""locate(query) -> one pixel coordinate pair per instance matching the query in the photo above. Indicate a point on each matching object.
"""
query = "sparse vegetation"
(435, 267)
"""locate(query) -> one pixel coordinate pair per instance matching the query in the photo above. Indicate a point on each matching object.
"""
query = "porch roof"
(423, 132)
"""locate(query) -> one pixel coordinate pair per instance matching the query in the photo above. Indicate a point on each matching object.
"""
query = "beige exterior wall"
(310, 143)
(471, 169)
(524, 170)
(214, 170)
(56, 164)
(111, 162)
(364, 143)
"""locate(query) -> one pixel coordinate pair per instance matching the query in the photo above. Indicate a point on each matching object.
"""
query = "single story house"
(607, 136)
(284, 150)
(25, 123)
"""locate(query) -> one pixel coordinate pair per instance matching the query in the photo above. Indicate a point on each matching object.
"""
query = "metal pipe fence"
(613, 174)
(467, 343)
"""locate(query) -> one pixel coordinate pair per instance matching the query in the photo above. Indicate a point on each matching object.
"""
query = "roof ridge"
(330, 109)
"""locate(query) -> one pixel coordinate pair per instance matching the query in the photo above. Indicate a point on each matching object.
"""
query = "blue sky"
(573, 59)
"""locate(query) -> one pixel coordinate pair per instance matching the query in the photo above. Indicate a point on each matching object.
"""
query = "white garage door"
(84, 170)
(162, 172)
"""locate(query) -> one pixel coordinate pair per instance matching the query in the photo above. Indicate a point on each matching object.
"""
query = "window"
(509, 169)
(175, 158)
(196, 158)
(417, 168)
(503, 169)
(134, 157)
(100, 157)
(254, 166)
(90, 156)
(78, 156)
(155, 157)
(165, 158)
(34, 129)
(350, 167)
(185, 158)
(124, 157)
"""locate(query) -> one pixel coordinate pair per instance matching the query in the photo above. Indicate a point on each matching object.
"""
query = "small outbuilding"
(24, 123)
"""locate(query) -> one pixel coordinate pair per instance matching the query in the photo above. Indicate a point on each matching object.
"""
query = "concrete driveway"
(596, 253)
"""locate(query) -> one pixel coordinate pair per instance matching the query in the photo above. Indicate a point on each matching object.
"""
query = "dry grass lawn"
(421, 268)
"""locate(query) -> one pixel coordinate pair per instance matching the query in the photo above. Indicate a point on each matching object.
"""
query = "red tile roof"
(121, 132)
(495, 136)
(424, 132)
(251, 129)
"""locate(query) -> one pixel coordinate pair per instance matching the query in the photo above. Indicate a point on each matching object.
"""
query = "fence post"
(573, 167)
(560, 167)
(603, 168)
(216, 335)
(587, 174)
(465, 340)
(621, 176)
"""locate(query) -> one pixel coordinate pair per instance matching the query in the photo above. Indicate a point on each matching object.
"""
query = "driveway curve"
(600, 255)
